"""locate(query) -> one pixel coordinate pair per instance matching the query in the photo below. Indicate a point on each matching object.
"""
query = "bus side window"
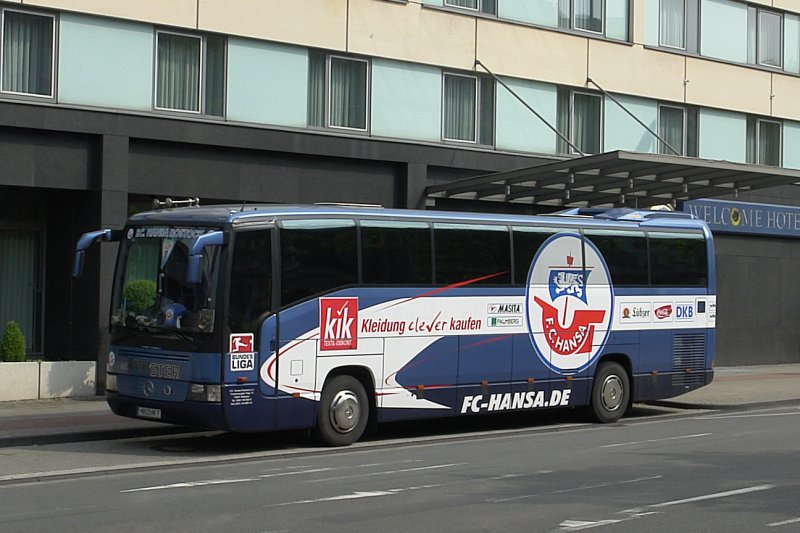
(678, 259)
(317, 256)
(470, 251)
(625, 253)
(396, 253)
(251, 280)
(527, 240)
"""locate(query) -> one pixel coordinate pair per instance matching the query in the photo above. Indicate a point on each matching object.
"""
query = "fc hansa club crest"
(569, 303)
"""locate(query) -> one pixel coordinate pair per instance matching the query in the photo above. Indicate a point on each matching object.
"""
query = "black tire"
(343, 411)
(610, 392)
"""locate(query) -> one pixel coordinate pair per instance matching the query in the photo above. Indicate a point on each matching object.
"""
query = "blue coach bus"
(272, 317)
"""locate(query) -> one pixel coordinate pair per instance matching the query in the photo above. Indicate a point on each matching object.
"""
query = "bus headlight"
(111, 382)
(199, 392)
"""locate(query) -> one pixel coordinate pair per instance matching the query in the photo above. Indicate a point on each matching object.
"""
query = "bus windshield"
(150, 290)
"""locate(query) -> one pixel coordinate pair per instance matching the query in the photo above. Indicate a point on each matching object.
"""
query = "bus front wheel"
(610, 392)
(343, 411)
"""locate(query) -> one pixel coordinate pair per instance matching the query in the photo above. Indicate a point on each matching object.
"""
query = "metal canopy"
(617, 179)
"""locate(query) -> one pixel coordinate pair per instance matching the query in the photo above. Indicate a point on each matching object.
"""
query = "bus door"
(253, 330)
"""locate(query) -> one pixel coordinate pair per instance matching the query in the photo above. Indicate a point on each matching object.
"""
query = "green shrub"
(12, 345)
(140, 295)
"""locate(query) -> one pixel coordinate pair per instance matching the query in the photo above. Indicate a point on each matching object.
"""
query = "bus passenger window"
(470, 251)
(527, 240)
(251, 280)
(317, 256)
(625, 253)
(395, 253)
(678, 259)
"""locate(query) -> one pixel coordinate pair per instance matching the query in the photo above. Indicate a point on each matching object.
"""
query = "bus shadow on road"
(394, 433)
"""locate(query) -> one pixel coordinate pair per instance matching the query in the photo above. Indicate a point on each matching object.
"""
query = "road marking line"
(587, 487)
(357, 495)
(575, 525)
(784, 523)
(204, 483)
(192, 484)
(745, 416)
(656, 440)
(716, 495)
(388, 472)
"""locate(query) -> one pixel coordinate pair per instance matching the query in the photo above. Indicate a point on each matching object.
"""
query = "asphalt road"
(657, 471)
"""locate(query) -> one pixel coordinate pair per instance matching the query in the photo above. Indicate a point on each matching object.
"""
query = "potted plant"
(12, 345)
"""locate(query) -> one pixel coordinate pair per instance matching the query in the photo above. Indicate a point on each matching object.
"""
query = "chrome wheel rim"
(345, 411)
(611, 393)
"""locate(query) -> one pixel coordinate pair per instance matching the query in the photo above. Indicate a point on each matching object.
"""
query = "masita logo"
(568, 303)
(338, 321)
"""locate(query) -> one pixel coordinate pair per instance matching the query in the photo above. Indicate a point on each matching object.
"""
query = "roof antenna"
(241, 210)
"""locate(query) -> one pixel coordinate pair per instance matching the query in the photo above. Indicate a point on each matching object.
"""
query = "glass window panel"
(487, 111)
(251, 280)
(215, 76)
(752, 34)
(317, 256)
(678, 260)
(471, 4)
(20, 283)
(770, 39)
(527, 241)
(470, 252)
(564, 18)
(316, 89)
(587, 122)
(348, 93)
(691, 132)
(396, 252)
(672, 18)
(670, 128)
(178, 72)
(751, 140)
(459, 107)
(625, 253)
(489, 7)
(27, 53)
(562, 119)
(769, 143)
(589, 15)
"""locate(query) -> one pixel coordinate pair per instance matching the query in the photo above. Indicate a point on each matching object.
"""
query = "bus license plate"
(147, 412)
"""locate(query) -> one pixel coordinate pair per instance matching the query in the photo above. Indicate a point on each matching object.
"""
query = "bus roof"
(220, 215)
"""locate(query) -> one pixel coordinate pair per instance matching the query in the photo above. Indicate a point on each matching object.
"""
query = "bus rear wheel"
(610, 392)
(343, 411)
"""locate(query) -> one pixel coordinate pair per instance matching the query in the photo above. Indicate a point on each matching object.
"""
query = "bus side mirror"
(215, 238)
(86, 240)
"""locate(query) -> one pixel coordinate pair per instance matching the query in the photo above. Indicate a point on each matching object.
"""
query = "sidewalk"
(33, 422)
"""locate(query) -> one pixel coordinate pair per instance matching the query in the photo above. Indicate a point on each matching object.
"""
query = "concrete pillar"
(112, 192)
(416, 181)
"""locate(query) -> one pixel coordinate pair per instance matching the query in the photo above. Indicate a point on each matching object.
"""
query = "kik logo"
(338, 321)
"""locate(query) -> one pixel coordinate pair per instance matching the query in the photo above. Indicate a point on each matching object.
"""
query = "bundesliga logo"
(568, 303)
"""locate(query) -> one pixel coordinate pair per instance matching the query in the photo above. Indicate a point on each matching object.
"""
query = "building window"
(678, 127)
(27, 53)
(764, 37)
(678, 24)
(764, 142)
(483, 6)
(190, 73)
(22, 267)
(585, 15)
(580, 119)
(672, 23)
(338, 91)
(468, 108)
